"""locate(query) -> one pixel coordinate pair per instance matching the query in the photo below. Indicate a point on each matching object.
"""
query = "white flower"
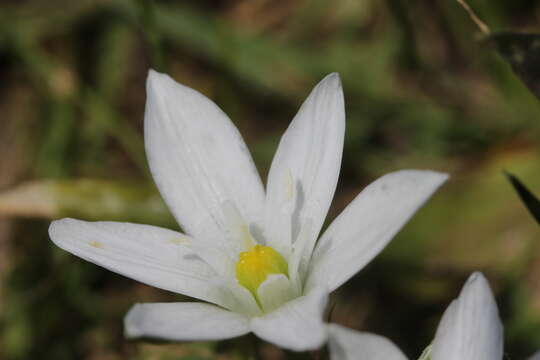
(470, 329)
(249, 254)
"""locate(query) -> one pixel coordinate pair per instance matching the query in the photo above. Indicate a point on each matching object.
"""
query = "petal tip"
(432, 179)
(132, 320)
(436, 178)
(441, 175)
(476, 276)
(332, 80)
(334, 76)
(52, 229)
(477, 282)
(154, 77)
(56, 227)
(473, 315)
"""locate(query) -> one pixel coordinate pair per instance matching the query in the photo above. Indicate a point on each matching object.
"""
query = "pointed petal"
(470, 327)
(297, 325)
(184, 322)
(149, 254)
(198, 159)
(310, 154)
(242, 300)
(347, 344)
(274, 292)
(368, 223)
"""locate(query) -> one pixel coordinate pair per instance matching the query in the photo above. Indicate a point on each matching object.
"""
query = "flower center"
(256, 264)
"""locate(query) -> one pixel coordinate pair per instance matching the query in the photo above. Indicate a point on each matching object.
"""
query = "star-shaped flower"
(251, 255)
(470, 329)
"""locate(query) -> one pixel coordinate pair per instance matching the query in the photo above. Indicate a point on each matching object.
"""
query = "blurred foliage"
(522, 51)
(90, 199)
(421, 92)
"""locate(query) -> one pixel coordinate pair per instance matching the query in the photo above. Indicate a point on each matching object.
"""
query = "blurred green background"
(421, 92)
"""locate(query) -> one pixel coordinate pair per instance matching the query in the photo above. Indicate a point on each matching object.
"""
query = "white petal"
(297, 325)
(299, 260)
(309, 153)
(536, 356)
(347, 344)
(238, 232)
(149, 254)
(470, 327)
(274, 292)
(198, 159)
(184, 322)
(242, 301)
(214, 255)
(368, 223)
(279, 214)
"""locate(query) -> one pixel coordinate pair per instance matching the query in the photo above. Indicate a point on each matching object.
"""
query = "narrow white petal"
(470, 327)
(297, 325)
(238, 231)
(279, 213)
(274, 292)
(184, 322)
(368, 223)
(299, 259)
(215, 255)
(198, 159)
(347, 344)
(310, 154)
(242, 300)
(152, 255)
(536, 356)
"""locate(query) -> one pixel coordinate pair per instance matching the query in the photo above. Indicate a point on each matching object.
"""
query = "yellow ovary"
(256, 264)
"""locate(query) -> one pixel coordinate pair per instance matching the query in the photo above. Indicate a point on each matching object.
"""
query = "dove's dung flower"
(250, 254)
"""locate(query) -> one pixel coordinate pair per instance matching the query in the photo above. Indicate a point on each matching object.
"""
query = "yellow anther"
(255, 265)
